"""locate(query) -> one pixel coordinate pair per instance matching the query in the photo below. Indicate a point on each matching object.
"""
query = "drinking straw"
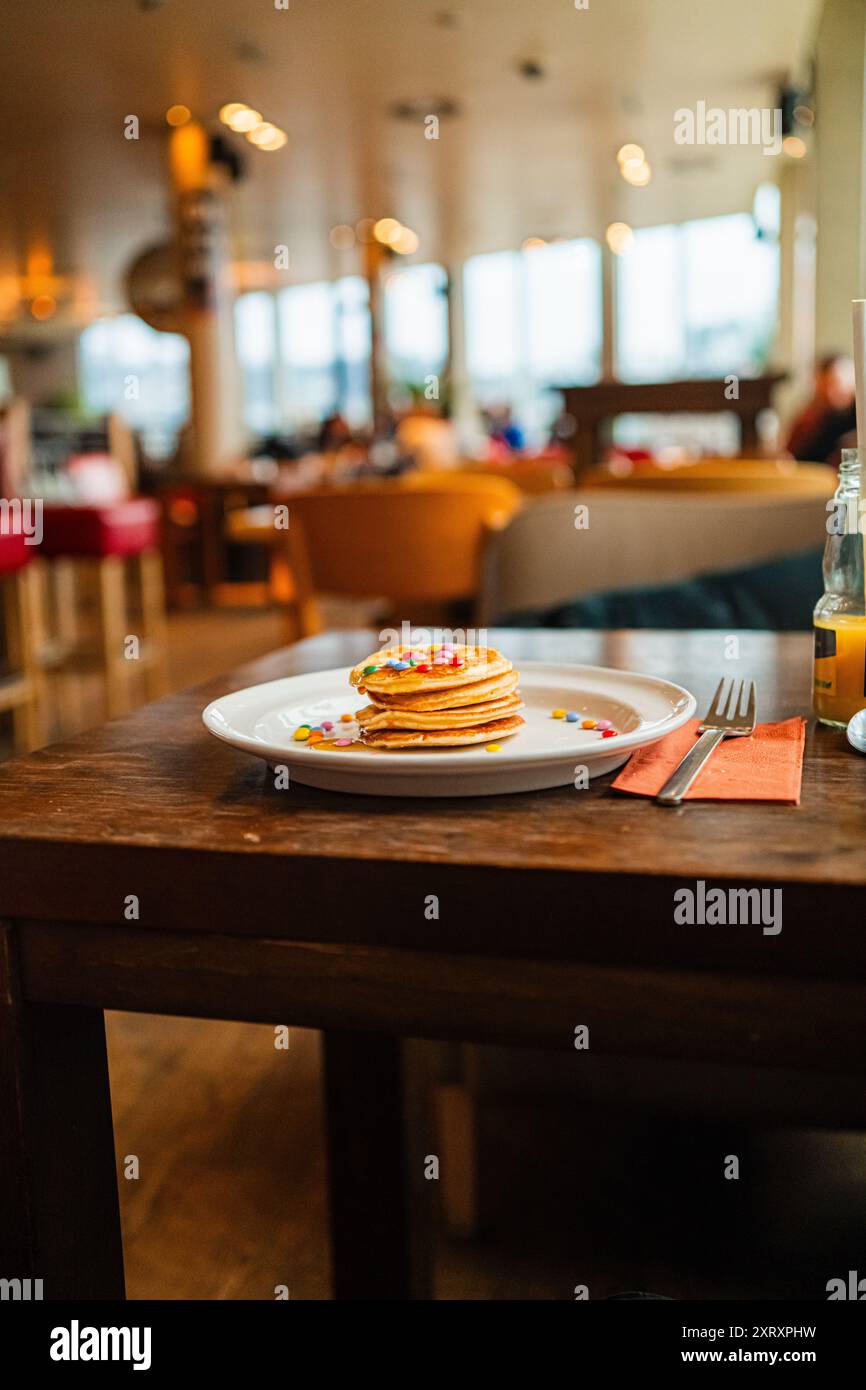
(858, 307)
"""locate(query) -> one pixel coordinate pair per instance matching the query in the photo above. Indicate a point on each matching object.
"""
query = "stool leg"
(25, 716)
(154, 631)
(112, 619)
(36, 640)
(29, 625)
(63, 580)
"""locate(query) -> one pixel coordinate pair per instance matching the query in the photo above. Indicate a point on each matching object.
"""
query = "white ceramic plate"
(545, 753)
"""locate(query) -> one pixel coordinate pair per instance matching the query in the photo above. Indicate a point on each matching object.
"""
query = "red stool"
(21, 689)
(108, 536)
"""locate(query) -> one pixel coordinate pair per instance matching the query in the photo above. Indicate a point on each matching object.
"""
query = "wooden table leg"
(59, 1213)
(371, 1231)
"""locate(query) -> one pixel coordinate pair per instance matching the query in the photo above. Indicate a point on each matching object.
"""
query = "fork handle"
(681, 779)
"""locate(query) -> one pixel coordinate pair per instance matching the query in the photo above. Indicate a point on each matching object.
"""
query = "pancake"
(494, 688)
(491, 732)
(478, 663)
(371, 717)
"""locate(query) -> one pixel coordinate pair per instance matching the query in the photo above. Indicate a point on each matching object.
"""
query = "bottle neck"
(849, 480)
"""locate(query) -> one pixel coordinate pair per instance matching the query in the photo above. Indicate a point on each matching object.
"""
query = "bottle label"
(825, 660)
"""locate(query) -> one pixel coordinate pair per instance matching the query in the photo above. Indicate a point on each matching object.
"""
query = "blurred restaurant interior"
(435, 279)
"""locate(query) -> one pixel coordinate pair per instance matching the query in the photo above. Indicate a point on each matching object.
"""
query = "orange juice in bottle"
(839, 673)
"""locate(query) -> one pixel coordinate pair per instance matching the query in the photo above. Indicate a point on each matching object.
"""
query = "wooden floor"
(229, 1202)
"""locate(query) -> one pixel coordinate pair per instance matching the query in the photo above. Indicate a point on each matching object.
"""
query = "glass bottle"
(839, 672)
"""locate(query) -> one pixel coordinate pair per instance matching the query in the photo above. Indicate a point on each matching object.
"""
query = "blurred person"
(504, 432)
(430, 438)
(333, 433)
(818, 430)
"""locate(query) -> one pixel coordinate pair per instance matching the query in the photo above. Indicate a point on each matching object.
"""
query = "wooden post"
(368, 1187)
(59, 1211)
(216, 438)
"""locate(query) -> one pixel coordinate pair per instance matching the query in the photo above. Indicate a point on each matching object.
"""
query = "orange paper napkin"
(768, 766)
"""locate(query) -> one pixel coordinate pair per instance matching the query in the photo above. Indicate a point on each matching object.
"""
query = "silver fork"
(731, 715)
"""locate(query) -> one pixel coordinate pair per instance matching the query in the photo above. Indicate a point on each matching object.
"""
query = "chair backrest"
(550, 553)
(501, 493)
(390, 540)
(529, 475)
(720, 475)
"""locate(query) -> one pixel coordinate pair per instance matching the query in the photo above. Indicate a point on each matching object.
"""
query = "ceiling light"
(638, 175)
(240, 118)
(342, 237)
(406, 243)
(619, 237)
(177, 115)
(387, 230)
(794, 146)
(227, 112)
(43, 306)
(266, 136)
(629, 154)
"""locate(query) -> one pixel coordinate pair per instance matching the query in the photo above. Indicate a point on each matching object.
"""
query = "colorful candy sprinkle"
(369, 670)
(494, 748)
(327, 724)
(342, 742)
(346, 718)
(557, 714)
(301, 735)
(401, 666)
(315, 736)
(587, 724)
(424, 666)
(604, 724)
(456, 661)
(571, 717)
(608, 733)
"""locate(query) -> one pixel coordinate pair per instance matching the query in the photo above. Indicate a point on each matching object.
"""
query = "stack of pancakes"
(438, 696)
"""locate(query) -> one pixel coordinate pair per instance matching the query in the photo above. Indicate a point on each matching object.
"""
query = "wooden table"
(306, 908)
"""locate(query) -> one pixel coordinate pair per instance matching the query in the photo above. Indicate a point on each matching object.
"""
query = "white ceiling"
(522, 157)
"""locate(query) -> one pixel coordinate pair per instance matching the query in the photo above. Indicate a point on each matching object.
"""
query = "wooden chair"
(410, 543)
(530, 475)
(21, 688)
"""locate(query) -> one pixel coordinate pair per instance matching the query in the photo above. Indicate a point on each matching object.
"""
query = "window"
(256, 349)
(353, 349)
(143, 375)
(416, 324)
(304, 353)
(696, 300)
(308, 380)
(533, 322)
